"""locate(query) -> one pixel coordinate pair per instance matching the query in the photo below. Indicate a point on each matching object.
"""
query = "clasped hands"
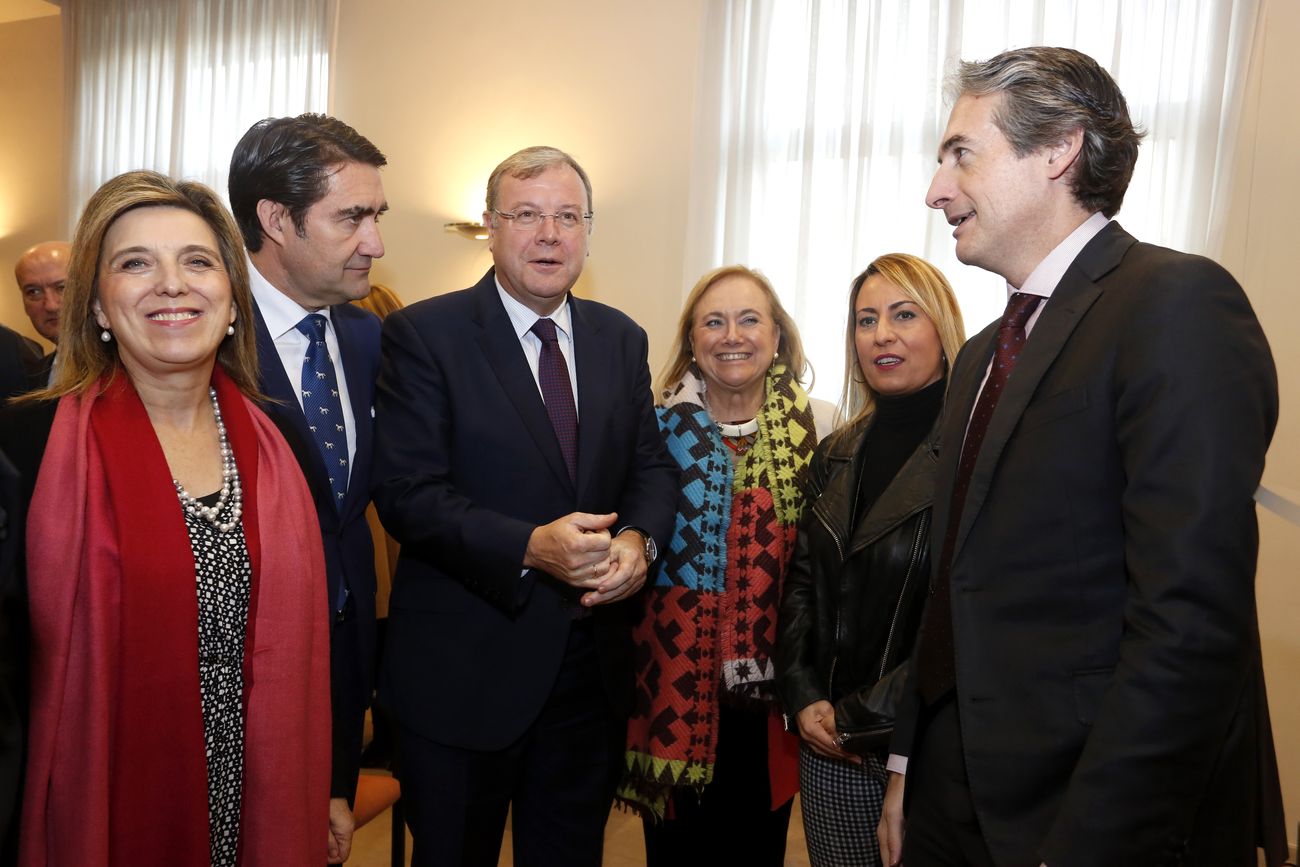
(579, 550)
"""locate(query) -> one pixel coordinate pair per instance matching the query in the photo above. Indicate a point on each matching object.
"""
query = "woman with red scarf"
(180, 685)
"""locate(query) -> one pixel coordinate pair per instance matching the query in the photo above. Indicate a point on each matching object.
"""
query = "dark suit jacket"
(13, 654)
(24, 430)
(349, 551)
(467, 465)
(40, 375)
(20, 360)
(1108, 666)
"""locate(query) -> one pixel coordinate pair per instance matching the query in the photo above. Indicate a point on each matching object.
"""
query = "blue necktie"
(323, 407)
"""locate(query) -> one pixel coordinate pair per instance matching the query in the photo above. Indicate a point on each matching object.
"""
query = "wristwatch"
(650, 549)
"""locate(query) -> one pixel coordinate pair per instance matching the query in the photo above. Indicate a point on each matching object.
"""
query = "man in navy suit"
(1088, 685)
(307, 196)
(519, 464)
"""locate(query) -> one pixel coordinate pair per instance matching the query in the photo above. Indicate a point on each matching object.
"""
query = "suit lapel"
(1077, 291)
(501, 349)
(359, 395)
(284, 405)
(959, 403)
(592, 358)
(908, 493)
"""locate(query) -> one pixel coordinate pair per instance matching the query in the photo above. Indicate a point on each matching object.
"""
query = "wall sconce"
(472, 231)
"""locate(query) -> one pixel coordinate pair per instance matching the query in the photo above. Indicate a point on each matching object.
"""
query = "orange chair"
(376, 793)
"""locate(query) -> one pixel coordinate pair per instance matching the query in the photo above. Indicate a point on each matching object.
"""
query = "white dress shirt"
(522, 319)
(282, 315)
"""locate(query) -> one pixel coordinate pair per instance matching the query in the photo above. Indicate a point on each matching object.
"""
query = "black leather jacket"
(853, 595)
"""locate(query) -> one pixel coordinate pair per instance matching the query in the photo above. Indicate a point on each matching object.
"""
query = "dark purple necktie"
(557, 392)
(936, 670)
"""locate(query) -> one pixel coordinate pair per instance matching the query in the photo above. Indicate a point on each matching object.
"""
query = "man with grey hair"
(1086, 687)
(519, 464)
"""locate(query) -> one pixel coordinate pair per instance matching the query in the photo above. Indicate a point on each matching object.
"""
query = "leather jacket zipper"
(839, 548)
(902, 593)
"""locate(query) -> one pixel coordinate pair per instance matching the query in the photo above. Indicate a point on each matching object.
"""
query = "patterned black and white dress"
(223, 576)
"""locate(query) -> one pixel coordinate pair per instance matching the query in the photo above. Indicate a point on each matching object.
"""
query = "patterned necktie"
(936, 667)
(323, 407)
(557, 392)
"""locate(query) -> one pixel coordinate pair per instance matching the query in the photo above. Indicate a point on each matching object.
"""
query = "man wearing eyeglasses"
(519, 464)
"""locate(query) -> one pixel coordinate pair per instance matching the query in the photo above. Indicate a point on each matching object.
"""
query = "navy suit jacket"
(467, 465)
(1109, 683)
(349, 549)
(20, 362)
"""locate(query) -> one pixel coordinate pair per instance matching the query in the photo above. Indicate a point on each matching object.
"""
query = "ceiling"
(21, 10)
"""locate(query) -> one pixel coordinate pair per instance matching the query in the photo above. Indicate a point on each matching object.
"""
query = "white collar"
(280, 312)
(1044, 278)
(522, 318)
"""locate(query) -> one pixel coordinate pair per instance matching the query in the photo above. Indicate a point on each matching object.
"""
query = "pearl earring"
(105, 335)
(230, 330)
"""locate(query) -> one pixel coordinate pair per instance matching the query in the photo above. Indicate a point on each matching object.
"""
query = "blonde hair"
(789, 350)
(381, 301)
(529, 163)
(83, 357)
(926, 287)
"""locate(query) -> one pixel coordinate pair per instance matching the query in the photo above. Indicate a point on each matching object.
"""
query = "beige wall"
(1261, 252)
(31, 150)
(447, 90)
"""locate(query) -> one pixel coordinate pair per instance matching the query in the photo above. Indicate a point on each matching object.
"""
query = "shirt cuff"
(896, 764)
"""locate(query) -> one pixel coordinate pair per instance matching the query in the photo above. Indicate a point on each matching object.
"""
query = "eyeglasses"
(526, 218)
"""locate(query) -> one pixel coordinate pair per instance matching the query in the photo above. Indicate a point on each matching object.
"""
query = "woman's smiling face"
(163, 291)
(898, 346)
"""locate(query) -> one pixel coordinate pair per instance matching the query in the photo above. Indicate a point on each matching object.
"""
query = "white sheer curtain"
(172, 85)
(820, 120)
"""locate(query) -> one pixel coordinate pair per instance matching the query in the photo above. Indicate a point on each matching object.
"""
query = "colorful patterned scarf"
(710, 618)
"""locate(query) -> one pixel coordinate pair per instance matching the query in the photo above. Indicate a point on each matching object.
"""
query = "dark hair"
(289, 160)
(1046, 94)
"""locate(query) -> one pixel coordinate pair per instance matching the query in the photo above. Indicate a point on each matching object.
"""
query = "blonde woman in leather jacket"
(852, 600)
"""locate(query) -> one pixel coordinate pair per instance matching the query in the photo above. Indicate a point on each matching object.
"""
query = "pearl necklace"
(230, 488)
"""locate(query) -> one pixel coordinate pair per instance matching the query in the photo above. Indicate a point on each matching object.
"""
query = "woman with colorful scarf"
(180, 657)
(708, 763)
(860, 576)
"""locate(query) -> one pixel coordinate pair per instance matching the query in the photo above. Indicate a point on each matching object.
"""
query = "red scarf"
(116, 772)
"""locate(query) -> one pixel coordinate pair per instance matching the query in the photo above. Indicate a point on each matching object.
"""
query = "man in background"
(41, 272)
(519, 465)
(1088, 685)
(307, 195)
